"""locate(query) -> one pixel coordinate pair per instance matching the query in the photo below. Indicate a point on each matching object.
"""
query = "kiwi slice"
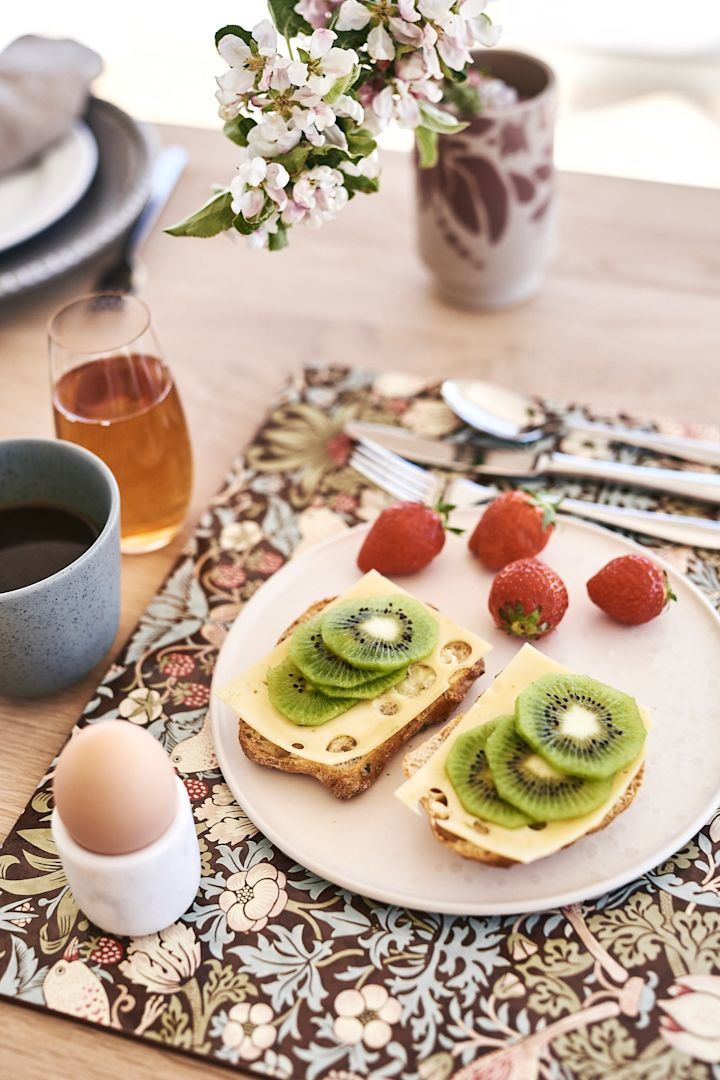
(580, 726)
(311, 655)
(371, 688)
(298, 700)
(380, 633)
(526, 780)
(472, 780)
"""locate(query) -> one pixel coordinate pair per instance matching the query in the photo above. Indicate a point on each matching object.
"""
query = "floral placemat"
(277, 971)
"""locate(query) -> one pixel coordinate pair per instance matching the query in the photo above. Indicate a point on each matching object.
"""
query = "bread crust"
(417, 758)
(349, 778)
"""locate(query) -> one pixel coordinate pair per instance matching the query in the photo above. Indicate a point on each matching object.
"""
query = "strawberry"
(527, 599)
(631, 589)
(516, 525)
(404, 538)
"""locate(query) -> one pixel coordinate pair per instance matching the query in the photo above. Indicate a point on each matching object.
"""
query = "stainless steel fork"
(406, 481)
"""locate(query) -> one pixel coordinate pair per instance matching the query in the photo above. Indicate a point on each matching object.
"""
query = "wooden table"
(630, 317)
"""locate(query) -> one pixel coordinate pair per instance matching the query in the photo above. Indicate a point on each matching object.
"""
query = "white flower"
(317, 195)
(272, 137)
(253, 896)
(249, 1030)
(325, 66)
(163, 962)
(249, 69)
(366, 1016)
(228, 823)
(240, 535)
(254, 181)
(141, 706)
(311, 115)
(352, 16)
(691, 1022)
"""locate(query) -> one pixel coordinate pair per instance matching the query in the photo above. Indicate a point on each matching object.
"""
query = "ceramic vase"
(486, 210)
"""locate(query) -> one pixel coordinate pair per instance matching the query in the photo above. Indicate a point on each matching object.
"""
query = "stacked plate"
(74, 201)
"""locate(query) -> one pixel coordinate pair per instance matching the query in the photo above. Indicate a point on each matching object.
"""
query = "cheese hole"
(340, 743)
(419, 678)
(386, 706)
(298, 746)
(459, 675)
(479, 827)
(455, 651)
(437, 804)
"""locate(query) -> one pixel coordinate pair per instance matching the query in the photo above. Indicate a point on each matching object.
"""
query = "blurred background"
(639, 79)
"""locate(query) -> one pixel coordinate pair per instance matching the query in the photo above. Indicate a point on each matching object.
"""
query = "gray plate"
(113, 201)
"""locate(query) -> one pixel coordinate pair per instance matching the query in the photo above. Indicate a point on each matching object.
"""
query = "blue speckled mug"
(53, 631)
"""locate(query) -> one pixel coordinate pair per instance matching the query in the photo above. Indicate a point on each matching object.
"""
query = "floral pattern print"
(277, 971)
(253, 897)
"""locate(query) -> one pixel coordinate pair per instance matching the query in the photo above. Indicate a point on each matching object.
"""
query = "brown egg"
(115, 789)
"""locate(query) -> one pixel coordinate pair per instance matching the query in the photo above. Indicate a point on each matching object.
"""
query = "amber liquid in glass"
(126, 409)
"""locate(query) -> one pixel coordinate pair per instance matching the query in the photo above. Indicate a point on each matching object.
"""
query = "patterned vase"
(486, 209)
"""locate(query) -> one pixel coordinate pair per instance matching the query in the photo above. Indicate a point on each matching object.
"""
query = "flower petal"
(696, 1012)
(375, 996)
(240, 1012)
(234, 50)
(349, 1003)
(264, 896)
(233, 1034)
(259, 1013)
(391, 1011)
(266, 37)
(352, 16)
(260, 871)
(237, 920)
(348, 1029)
(380, 44)
(320, 42)
(264, 1036)
(376, 1034)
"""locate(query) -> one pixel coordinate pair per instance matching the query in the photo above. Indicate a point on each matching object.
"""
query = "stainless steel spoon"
(508, 415)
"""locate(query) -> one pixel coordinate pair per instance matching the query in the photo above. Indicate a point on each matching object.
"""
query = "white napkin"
(43, 89)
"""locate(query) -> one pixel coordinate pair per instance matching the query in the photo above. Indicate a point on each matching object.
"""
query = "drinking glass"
(114, 394)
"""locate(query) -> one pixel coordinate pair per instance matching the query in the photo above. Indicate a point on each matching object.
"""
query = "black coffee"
(37, 540)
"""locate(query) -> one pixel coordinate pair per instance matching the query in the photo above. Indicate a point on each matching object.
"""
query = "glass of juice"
(114, 394)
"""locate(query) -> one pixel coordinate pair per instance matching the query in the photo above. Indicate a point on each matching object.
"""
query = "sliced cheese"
(369, 723)
(525, 844)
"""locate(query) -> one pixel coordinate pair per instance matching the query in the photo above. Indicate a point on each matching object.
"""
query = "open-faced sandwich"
(543, 758)
(350, 681)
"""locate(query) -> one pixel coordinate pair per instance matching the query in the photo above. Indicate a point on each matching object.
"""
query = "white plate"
(37, 196)
(375, 846)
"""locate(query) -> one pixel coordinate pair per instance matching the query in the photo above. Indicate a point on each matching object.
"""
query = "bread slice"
(346, 779)
(434, 808)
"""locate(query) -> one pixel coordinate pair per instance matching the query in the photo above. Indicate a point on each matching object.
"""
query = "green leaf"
(328, 155)
(286, 19)
(237, 130)
(294, 160)
(278, 240)
(427, 147)
(341, 86)
(360, 141)
(212, 218)
(239, 31)
(361, 183)
(438, 120)
(243, 225)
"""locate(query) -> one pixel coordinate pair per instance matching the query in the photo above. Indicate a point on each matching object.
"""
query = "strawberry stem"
(444, 510)
(669, 594)
(548, 506)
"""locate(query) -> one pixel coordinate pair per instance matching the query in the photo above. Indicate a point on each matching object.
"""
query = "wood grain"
(629, 318)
